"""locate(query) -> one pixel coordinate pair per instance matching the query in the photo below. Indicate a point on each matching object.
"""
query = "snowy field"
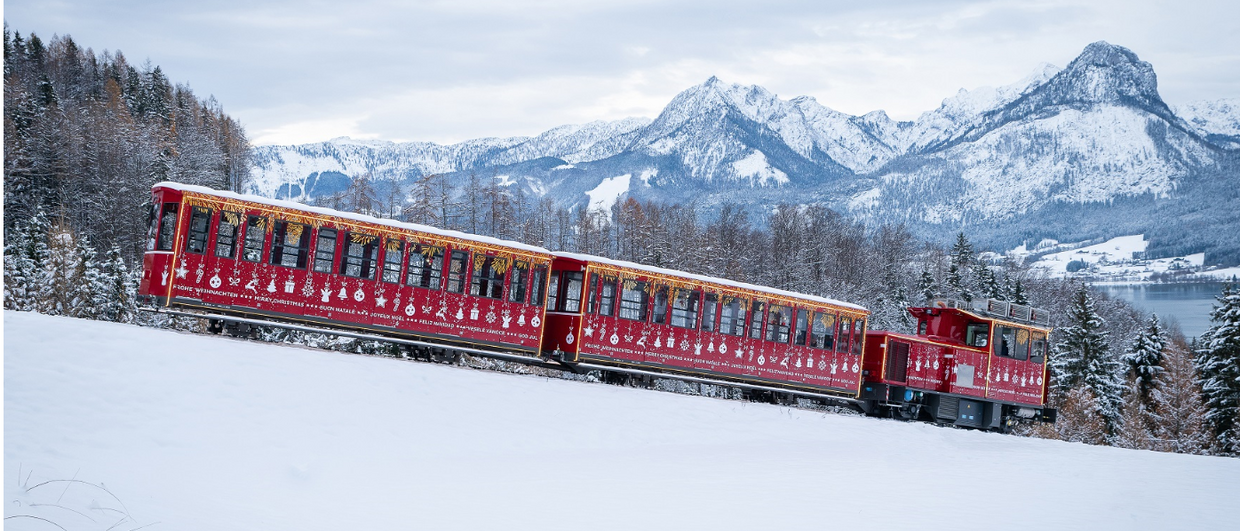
(1115, 261)
(178, 431)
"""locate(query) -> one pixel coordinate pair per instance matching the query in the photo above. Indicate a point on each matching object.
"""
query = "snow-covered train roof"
(363, 218)
(704, 278)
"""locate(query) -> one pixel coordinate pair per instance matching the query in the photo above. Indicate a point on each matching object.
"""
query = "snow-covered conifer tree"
(961, 261)
(84, 293)
(117, 293)
(1218, 365)
(926, 287)
(61, 277)
(1083, 358)
(1145, 356)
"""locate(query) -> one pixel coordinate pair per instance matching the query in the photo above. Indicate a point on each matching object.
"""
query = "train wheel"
(215, 326)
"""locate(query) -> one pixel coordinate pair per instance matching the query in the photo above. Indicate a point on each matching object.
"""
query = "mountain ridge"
(1092, 133)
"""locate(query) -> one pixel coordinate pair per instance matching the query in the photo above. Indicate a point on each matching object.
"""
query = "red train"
(237, 257)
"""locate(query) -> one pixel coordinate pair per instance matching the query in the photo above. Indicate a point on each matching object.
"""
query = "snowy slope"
(192, 432)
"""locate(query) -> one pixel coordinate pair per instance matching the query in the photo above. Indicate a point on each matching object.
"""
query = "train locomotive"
(242, 261)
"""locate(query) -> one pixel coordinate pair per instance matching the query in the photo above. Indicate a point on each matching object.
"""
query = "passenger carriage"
(977, 364)
(252, 256)
(623, 314)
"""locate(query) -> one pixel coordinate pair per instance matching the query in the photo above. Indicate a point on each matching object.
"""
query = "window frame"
(254, 246)
(518, 285)
(233, 220)
(570, 299)
(607, 302)
(458, 275)
(279, 245)
(657, 315)
(169, 214)
(779, 331)
(487, 280)
(538, 285)
(628, 305)
(366, 265)
(325, 260)
(430, 269)
(737, 307)
(826, 339)
(710, 312)
(202, 236)
(391, 269)
(688, 315)
(757, 320)
(800, 328)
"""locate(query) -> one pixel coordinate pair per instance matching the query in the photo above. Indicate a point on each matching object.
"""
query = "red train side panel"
(251, 255)
(627, 314)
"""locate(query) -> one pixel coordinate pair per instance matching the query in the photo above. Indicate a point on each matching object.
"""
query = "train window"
(607, 297)
(393, 258)
(167, 226)
(779, 324)
(290, 245)
(755, 320)
(802, 330)
(710, 310)
(592, 301)
(571, 298)
(844, 342)
(553, 291)
(1022, 344)
(361, 253)
(226, 234)
(1013, 343)
(538, 286)
(633, 298)
(325, 251)
(858, 335)
(977, 335)
(255, 238)
(685, 308)
(822, 331)
(456, 271)
(732, 318)
(425, 266)
(152, 224)
(488, 280)
(520, 278)
(199, 226)
(660, 306)
(1038, 354)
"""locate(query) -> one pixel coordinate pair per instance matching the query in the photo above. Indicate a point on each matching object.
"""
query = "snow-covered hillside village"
(129, 405)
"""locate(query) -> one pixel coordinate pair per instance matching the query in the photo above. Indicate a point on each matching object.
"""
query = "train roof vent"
(999, 310)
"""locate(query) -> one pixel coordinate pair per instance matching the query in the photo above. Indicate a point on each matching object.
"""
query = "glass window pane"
(325, 251)
(633, 299)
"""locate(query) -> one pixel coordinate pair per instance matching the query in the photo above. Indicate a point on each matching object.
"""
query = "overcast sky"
(445, 71)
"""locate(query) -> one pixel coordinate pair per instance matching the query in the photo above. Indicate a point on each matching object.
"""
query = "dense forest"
(87, 134)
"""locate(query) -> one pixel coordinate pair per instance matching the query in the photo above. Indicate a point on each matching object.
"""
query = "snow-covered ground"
(1116, 260)
(193, 432)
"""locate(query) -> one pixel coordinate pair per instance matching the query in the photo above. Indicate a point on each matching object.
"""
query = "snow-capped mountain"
(1059, 149)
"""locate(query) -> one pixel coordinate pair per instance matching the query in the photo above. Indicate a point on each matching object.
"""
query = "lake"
(1188, 303)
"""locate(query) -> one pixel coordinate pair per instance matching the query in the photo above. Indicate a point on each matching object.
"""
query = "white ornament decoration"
(723, 348)
(358, 295)
(658, 341)
(460, 314)
(182, 271)
(589, 330)
(380, 301)
(614, 338)
(289, 285)
(215, 281)
(326, 292)
(535, 321)
(198, 276)
(252, 285)
(473, 313)
(762, 359)
(521, 320)
(507, 318)
(271, 286)
(854, 366)
(410, 310)
(569, 338)
(344, 294)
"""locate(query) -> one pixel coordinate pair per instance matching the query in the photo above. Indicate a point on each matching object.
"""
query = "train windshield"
(977, 335)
